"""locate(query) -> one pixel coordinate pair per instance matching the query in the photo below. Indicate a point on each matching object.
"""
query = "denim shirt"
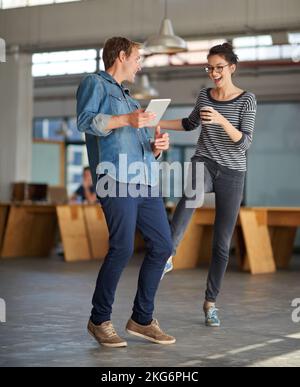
(114, 152)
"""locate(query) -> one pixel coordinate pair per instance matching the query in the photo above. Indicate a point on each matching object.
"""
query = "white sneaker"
(168, 267)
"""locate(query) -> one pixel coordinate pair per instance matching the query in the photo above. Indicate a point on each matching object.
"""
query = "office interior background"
(50, 45)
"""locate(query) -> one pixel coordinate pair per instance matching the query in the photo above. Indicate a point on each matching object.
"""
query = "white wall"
(16, 96)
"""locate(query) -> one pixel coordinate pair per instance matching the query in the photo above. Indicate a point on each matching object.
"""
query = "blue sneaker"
(211, 317)
(168, 267)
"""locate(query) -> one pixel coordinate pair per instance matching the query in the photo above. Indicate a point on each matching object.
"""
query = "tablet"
(157, 106)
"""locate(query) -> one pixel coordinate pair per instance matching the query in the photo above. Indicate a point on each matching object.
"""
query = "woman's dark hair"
(225, 50)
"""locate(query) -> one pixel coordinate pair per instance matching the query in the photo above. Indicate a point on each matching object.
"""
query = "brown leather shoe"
(151, 332)
(106, 335)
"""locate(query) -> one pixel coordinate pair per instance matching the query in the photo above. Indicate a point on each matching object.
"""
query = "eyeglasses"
(219, 69)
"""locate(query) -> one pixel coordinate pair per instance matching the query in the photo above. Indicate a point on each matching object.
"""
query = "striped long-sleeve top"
(214, 142)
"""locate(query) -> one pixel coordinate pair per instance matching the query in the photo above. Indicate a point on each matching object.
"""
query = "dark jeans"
(123, 215)
(228, 186)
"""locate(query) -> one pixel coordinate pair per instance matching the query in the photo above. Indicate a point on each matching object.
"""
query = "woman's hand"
(211, 116)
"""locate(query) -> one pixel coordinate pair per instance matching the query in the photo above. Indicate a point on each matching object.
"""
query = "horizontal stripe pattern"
(213, 141)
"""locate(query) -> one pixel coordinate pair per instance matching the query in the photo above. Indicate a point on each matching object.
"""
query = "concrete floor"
(48, 304)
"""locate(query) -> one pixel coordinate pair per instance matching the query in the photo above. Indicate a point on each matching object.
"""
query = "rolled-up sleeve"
(247, 123)
(90, 120)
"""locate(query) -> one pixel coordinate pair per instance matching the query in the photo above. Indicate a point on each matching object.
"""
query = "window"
(64, 62)
(6, 4)
(64, 129)
(101, 63)
(57, 129)
(252, 48)
(246, 54)
(252, 41)
(294, 38)
(13, 3)
(265, 53)
(248, 48)
(48, 129)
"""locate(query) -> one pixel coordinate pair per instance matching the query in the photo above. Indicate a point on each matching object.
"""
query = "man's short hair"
(114, 46)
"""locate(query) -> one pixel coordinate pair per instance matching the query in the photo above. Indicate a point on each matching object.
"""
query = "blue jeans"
(123, 216)
(228, 186)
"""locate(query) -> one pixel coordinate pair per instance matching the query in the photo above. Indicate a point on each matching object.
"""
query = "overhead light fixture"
(166, 42)
(2, 50)
(143, 89)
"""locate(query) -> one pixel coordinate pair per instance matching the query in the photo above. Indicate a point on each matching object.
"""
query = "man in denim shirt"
(115, 131)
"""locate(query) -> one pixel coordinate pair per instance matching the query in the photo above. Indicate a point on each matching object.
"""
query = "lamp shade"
(143, 89)
(166, 42)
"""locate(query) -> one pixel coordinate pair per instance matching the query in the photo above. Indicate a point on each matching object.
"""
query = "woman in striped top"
(227, 117)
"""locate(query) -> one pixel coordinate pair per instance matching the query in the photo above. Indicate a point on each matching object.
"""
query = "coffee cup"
(205, 109)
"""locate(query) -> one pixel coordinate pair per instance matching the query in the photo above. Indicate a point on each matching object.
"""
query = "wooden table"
(30, 231)
(4, 210)
(83, 231)
(264, 238)
(282, 223)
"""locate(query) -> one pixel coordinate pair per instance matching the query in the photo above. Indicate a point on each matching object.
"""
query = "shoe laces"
(109, 330)
(212, 312)
(156, 324)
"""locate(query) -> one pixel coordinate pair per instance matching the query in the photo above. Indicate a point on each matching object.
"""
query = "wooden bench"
(264, 238)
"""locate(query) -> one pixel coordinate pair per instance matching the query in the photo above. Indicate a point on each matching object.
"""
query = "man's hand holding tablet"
(138, 119)
(144, 118)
